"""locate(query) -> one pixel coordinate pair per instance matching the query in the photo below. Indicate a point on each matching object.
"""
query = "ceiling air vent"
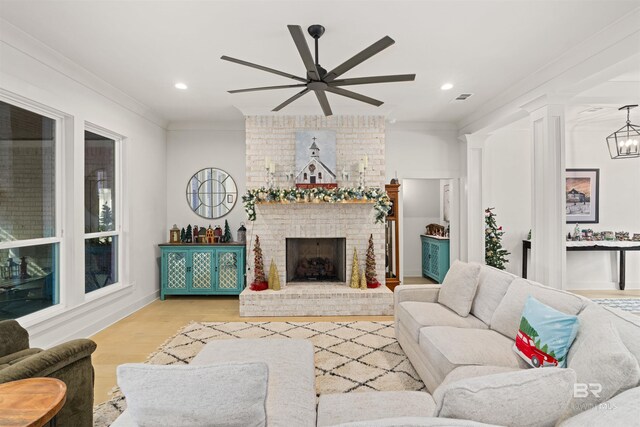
(463, 97)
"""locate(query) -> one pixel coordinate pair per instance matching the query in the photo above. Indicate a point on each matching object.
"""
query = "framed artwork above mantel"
(582, 190)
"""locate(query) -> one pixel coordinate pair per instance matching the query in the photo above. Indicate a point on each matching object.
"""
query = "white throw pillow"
(229, 395)
(459, 287)
(529, 397)
(602, 362)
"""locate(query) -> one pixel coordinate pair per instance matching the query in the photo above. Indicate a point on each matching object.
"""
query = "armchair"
(69, 362)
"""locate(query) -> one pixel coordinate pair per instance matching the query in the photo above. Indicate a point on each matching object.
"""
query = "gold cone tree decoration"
(274, 277)
(363, 280)
(355, 271)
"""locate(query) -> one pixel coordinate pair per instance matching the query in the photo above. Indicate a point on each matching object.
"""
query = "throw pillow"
(459, 287)
(603, 364)
(230, 395)
(545, 334)
(527, 397)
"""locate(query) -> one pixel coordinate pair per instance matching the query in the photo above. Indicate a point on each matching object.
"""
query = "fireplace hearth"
(316, 259)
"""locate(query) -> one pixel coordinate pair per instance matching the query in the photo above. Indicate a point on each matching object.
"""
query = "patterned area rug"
(349, 356)
(626, 304)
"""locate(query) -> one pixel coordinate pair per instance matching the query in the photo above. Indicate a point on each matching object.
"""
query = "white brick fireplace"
(274, 137)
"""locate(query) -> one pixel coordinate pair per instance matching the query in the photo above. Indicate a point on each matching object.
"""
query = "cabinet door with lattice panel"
(202, 270)
(229, 270)
(175, 268)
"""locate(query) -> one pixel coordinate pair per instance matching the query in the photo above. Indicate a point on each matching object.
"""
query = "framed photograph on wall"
(582, 195)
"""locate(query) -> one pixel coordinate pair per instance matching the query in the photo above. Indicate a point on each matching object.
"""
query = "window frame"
(59, 292)
(118, 200)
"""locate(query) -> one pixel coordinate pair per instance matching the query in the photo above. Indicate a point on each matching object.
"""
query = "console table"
(202, 269)
(435, 257)
(596, 245)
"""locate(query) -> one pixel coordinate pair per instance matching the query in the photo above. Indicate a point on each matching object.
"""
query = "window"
(29, 212)
(101, 205)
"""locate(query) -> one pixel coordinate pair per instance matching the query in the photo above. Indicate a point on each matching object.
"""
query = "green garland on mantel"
(375, 195)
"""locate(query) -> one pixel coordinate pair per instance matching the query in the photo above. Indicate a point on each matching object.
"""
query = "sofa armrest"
(48, 361)
(13, 337)
(422, 293)
(510, 398)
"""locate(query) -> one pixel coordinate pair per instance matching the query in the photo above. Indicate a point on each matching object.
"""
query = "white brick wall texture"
(274, 137)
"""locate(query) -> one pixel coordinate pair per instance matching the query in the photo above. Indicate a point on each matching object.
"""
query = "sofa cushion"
(627, 324)
(416, 315)
(291, 396)
(172, 395)
(492, 285)
(622, 410)
(506, 318)
(599, 357)
(459, 287)
(342, 408)
(12, 358)
(447, 348)
(415, 422)
(472, 371)
(530, 397)
(545, 335)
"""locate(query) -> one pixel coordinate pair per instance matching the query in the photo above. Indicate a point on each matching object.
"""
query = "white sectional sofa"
(451, 352)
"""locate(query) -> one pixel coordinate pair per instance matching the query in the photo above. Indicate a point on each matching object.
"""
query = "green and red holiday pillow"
(545, 335)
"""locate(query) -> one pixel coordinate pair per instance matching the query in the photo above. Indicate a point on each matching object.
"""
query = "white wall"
(619, 209)
(188, 151)
(33, 71)
(421, 206)
(507, 188)
(423, 151)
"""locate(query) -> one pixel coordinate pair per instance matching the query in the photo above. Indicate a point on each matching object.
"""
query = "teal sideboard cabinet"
(435, 257)
(202, 269)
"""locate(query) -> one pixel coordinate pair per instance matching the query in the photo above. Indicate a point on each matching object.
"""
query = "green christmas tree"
(226, 237)
(106, 218)
(370, 266)
(183, 235)
(188, 236)
(495, 255)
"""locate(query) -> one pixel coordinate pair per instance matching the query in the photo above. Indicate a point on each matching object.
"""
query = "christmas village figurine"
(196, 230)
(495, 255)
(217, 232)
(355, 271)
(226, 237)
(370, 269)
(209, 235)
(274, 277)
(202, 235)
(259, 282)
(188, 237)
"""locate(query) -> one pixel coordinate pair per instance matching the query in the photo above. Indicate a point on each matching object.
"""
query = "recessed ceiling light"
(446, 86)
(181, 86)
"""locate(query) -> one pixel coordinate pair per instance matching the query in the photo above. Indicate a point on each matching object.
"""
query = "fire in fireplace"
(316, 260)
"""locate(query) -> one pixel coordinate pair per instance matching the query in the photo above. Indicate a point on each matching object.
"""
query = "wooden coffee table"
(32, 402)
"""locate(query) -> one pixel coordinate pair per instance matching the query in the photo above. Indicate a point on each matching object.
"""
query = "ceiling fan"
(318, 79)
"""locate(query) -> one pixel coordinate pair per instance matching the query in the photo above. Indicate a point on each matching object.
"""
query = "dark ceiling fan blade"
(353, 95)
(358, 58)
(303, 50)
(263, 68)
(255, 89)
(324, 102)
(374, 79)
(290, 100)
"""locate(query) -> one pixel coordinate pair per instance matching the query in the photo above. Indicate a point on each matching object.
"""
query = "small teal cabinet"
(202, 269)
(435, 257)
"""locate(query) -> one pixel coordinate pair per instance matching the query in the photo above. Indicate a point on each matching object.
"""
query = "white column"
(471, 202)
(548, 217)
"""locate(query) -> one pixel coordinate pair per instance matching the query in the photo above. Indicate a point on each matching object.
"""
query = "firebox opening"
(316, 260)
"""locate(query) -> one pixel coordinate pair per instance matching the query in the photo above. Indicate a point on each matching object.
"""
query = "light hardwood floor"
(133, 338)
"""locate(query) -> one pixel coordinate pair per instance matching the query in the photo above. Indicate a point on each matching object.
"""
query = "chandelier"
(625, 142)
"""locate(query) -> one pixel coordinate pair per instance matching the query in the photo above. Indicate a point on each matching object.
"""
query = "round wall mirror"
(211, 193)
